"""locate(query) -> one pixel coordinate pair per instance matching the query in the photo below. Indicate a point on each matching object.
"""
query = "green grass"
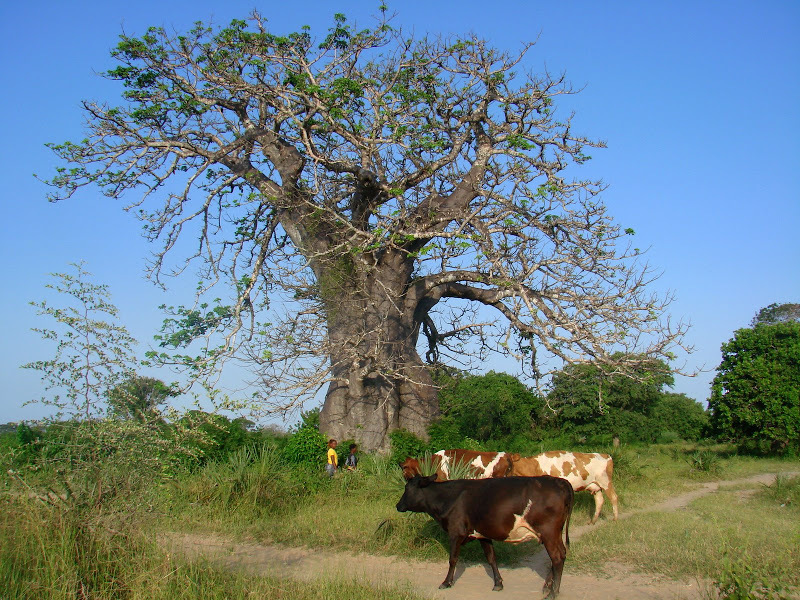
(725, 526)
(355, 510)
(254, 495)
(644, 476)
(46, 553)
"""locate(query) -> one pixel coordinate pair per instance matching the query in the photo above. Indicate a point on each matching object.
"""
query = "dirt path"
(473, 581)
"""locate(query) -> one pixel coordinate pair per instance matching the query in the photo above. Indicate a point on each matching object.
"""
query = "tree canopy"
(755, 395)
(138, 397)
(777, 313)
(93, 351)
(591, 402)
(494, 405)
(358, 194)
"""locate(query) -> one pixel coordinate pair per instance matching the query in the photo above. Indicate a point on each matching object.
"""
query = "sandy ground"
(473, 581)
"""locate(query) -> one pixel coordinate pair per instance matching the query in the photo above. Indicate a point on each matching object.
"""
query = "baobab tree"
(365, 198)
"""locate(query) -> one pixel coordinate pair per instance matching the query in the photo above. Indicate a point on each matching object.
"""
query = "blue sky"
(698, 101)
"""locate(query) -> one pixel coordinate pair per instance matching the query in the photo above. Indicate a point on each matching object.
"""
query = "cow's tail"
(570, 506)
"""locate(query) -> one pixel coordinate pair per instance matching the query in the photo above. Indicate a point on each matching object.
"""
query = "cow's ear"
(426, 481)
(514, 457)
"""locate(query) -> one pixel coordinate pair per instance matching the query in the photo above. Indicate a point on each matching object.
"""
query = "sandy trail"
(473, 581)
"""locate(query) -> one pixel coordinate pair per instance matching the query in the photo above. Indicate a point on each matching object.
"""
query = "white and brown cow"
(483, 465)
(585, 471)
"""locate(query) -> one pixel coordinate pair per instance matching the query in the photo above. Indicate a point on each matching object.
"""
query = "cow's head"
(410, 467)
(413, 498)
(504, 466)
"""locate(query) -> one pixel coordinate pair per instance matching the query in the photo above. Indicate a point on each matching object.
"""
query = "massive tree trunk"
(380, 381)
(373, 404)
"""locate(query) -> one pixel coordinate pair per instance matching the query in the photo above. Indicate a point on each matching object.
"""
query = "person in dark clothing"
(351, 462)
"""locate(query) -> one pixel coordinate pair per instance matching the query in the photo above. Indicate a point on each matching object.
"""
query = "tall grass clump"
(251, 483)
(738, 580)
(704, 462)
(785, 491)
(378, 474)
(628, 464)
(63, 551)
(46, 553)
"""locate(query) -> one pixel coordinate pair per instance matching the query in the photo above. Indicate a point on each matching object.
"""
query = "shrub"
(216, 435)
(678, 416)
(405, 444)
(668, 437)
(494, 405)
(306, 446)
(445, 434)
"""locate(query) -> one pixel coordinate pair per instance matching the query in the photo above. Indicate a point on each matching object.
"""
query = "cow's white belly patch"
(520, 531)
(477, 534)
(517, 535)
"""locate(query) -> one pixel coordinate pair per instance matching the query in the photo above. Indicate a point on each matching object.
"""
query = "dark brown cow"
(508, 509)
(483, 465)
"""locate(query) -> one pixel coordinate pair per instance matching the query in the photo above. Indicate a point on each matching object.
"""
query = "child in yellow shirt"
(333, 460)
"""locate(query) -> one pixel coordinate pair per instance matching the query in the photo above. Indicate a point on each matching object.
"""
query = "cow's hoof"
(445, 585)
(498, 587)
(548, 592)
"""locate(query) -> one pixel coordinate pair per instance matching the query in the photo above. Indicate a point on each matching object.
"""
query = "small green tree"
(490, 406)
(590, 402)
(138, 397)
(93, 352)
(94, 458)
(755, 396)
(680, 414)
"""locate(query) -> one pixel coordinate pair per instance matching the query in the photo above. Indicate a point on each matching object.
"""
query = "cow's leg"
(455, 548)
(612, 495)
(598, 504)
(557, 552)
(488, 550)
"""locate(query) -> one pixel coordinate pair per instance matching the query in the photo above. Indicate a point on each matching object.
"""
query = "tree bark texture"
(380, 383)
